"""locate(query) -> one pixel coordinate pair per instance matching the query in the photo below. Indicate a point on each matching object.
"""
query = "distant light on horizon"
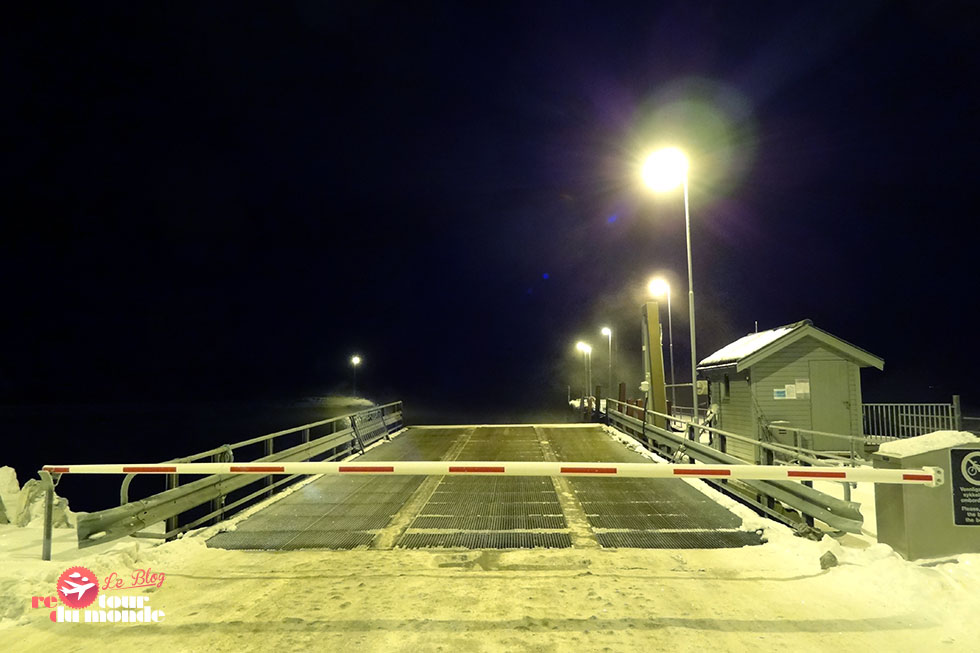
(665, 169)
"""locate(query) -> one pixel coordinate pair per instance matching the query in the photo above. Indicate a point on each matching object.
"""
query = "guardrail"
(331, 439)
(841, 514)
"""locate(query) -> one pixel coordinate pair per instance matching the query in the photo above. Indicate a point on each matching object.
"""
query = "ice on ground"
(926, 443)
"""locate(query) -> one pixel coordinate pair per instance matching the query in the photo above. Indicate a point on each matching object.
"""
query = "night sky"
(228, 200)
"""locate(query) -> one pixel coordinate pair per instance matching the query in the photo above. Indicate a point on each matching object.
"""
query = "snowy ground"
(771, 597)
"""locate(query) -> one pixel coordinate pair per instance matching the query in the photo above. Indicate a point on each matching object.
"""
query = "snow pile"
(21, 506)
(926, 443)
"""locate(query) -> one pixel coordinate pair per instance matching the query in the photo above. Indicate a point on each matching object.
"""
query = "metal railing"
(804, 439)
(890, 421)
(330, 439)
(840, 514)
(971, 424)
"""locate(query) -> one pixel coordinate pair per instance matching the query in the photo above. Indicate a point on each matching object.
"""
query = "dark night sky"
(227, 200)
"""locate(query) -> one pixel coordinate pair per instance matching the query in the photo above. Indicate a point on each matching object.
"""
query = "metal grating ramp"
(357, 508)
(339, 512)
(678, 539)
(487, 540)
(486, 512)
(491, 512)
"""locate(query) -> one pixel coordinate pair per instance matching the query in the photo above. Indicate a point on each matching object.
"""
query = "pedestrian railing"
(218, 495)
(884, 422)
(764, 495)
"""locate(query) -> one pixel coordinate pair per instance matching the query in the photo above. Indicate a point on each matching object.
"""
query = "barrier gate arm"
(928, 476)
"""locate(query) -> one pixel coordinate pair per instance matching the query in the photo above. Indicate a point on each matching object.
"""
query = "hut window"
(725, 388)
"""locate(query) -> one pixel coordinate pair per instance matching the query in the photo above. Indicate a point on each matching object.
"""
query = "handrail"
(763, 495)
(127, 481)
(771, 446)
(267, 436)
(132, 517)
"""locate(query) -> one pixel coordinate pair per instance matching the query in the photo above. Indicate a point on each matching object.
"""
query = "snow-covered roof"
(747, 350)
(734, 352)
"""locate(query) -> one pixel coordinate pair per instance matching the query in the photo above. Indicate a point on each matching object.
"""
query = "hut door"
(830, 408)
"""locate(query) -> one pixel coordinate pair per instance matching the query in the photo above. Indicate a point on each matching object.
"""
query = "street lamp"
(658, 288)
(586, 350)
(355, 360)
(606, 331)
(665, 170)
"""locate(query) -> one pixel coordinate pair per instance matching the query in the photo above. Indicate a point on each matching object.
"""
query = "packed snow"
(848, 593)
(749, 344)
(926, 443)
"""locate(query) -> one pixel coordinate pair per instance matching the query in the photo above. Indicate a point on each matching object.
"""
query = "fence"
(765, 495)
(220, 495)
(894, 421)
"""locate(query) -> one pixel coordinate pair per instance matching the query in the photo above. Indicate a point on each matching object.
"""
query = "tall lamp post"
(586, 350)
(355, 360)
(665, 170)
(606, 331)
(658, 288)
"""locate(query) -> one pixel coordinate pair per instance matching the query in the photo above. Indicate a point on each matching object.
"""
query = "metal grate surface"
(678, 539)
(489, 522)
(483, 512)
(339, 512)
(485, 540)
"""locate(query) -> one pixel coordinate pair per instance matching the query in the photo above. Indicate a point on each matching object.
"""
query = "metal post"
(588, 358)
(218, 502)
(268, 479)
(609, 387)
(690, 286)
(670, 338)
(48, 483)
(172, 522)
(957, 414)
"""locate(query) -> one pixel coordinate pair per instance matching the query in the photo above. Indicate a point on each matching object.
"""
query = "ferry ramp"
(488, 512)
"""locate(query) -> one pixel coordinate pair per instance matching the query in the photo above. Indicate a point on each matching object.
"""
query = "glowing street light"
(586, 350)
(665, 170)
(606, 331)
(658, 288)
(355, 360)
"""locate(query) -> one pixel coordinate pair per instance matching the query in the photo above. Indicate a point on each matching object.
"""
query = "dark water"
(39, 435)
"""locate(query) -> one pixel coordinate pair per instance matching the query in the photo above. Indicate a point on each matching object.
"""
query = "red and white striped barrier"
(930, 476)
